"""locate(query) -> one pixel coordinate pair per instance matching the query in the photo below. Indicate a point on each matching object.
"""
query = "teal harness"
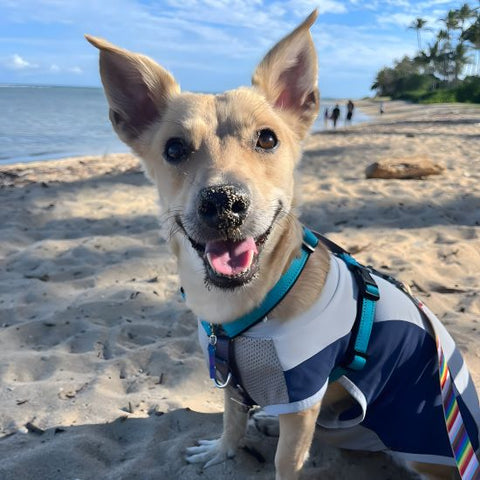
(220, 347)
(222, 358)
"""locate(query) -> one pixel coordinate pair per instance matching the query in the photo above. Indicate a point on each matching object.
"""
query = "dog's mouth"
(231, 258)
(230, 263)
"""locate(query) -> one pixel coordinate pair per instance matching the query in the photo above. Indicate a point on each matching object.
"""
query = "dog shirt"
(285, 365)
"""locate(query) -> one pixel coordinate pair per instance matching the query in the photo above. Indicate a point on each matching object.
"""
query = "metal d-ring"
(225, 384)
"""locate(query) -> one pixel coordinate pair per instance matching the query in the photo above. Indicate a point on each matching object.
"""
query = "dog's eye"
(176, 150)
(266, 140)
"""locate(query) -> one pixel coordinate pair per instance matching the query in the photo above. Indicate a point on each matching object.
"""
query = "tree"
(472, 35)
(418, 24)
(438, 71)
(428, 61)
(443, 51)
(464, 14)
(451, 22)
(404, 67)
(384, 82)
(459, 60)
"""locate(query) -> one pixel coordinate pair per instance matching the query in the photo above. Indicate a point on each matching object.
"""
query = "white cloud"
(350, 57)
(399, 19)
(77, 70)
(399, 3)
(193, 37)
(430, 3)
(304, 7)
(16, 62)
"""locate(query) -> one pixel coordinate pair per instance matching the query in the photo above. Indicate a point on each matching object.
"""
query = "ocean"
(40, 123)
(45, 123)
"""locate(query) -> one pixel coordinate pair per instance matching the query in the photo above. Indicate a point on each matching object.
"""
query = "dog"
(224, 167)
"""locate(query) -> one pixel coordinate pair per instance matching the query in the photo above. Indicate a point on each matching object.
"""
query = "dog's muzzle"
(222, 234)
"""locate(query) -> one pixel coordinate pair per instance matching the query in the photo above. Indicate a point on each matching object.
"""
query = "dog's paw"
(210, 452)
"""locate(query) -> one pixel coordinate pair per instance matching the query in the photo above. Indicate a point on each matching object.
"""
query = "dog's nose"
(223, 207)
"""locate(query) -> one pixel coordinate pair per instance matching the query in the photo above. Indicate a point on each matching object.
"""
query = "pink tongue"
(231, 258)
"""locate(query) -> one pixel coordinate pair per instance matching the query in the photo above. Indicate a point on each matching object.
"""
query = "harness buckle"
(219, 384)
(367, 285)
(308, 247)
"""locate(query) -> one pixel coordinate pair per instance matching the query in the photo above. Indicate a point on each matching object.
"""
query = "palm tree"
(418, 24)
(451, 22)
(423, 61)
(384, 82)
(459, 59)
(472, 35)
(443, 52)
(464, 14)
(427, 59)
(443, 35)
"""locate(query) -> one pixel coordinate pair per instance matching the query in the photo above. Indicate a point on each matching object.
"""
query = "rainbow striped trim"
(467, 461)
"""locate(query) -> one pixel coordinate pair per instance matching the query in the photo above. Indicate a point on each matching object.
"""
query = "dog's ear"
(136, 87)
(287, 76)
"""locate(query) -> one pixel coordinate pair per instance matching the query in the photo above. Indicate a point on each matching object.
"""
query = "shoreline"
(45, 157)
(366, 109)
(101, 373)
(67, 169)
(394, 111)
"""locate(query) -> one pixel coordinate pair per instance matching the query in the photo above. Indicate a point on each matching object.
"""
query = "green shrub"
(417, 83)
(469, 90)
(429, 89)
(443, 95)
(415, 87)
(412, 96)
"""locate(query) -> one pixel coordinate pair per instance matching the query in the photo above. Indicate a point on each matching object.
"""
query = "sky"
(209, 45)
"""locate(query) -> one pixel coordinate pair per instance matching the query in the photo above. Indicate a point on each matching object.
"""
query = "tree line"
(445, 70)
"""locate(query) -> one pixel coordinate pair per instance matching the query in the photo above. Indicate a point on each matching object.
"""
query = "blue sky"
(209, 45)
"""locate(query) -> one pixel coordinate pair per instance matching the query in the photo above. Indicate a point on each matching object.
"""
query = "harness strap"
(274, 296)
(467, 461)
(368, 295)
(223, 334)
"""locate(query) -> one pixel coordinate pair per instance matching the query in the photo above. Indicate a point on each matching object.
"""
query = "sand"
(101, 376)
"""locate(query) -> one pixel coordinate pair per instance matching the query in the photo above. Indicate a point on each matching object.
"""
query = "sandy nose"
(223, 206)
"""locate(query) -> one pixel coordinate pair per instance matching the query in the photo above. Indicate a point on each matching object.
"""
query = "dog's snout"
(223, 207)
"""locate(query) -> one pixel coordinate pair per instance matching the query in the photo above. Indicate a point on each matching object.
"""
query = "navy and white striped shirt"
(284, 366)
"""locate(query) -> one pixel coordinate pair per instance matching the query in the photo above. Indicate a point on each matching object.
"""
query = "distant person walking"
(350, 108)
(326, 116)
(381, 110)
(335, 115)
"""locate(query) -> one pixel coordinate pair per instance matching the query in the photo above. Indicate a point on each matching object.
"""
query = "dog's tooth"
(209, 259)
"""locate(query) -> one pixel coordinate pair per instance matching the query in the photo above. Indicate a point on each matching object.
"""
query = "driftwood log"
(404, 168)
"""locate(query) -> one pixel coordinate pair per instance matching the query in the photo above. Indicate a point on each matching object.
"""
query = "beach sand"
(101, 375)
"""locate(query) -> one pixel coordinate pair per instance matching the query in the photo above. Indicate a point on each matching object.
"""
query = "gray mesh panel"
(260, 371)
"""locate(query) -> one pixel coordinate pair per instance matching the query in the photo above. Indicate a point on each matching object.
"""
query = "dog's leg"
(435, 472)
(296, 433)
(211, 452)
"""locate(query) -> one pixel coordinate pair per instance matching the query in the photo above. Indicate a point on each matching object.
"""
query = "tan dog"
(224, 167)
